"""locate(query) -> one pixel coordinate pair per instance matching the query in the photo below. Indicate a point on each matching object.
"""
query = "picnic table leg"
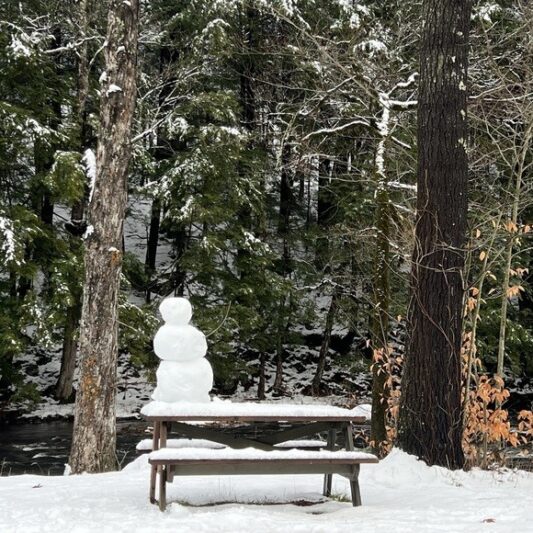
(163, 488)
(332, 435)
(163, 436)
(354, 487)
(354, 481)
(153, 470)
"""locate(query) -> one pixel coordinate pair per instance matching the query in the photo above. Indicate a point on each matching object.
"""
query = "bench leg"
(354, 481)
(354, 487)
(163, 488)
(153, 470)
(153, 475)
(332, 435)
(163, 435)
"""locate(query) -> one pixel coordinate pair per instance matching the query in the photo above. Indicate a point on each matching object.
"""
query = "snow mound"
(400, 494)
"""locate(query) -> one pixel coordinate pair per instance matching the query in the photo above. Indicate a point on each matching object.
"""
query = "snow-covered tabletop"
(253, 411)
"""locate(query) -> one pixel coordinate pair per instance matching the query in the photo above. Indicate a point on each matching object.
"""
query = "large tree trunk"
(94, 439)
(430, 424)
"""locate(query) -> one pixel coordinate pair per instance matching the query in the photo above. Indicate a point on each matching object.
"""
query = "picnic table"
(252, 452)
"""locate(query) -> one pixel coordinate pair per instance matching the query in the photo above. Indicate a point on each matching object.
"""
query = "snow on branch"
(337, 128)
(8, 239)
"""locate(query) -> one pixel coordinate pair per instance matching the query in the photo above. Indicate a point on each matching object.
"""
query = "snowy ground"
(399, 495)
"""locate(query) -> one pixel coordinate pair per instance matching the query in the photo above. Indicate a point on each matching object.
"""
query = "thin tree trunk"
(474, 320)
(94, 439)
(324, 347)
(153, 241)
(430, 423)
(261, 387)
(512, 228)
(286, 202)
(64, 385)
(325, 208)
(380, 325)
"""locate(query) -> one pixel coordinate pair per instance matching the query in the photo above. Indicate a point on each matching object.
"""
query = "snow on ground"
(399, 495)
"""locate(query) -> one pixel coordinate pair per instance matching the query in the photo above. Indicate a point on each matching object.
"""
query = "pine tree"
(430, 425)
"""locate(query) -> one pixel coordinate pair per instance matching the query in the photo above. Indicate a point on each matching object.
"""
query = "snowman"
(184, 374)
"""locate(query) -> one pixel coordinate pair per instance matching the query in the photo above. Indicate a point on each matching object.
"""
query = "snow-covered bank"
(400, 494)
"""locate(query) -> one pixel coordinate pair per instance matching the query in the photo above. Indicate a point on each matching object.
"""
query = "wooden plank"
(285, 461)
(262, 468)
(358, 420)
(296, 432)
(228, 439)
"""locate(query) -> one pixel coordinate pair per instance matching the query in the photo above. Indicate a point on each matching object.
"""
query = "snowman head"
(176, 311)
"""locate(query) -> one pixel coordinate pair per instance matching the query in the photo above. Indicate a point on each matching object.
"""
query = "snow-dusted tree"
(94, 438)
(430, 425)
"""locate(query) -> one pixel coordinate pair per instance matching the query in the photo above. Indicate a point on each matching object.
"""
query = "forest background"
(272, 183)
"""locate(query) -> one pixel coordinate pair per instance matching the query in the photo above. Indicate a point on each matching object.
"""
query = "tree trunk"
(76, 227)
(162, 152)
(512, 229)
(324, 347)
(153, 241)
(64, 388)
(430, 424)
(262, 377)
(286, 202)
(325, 209)
(380, 325)
(94, 438)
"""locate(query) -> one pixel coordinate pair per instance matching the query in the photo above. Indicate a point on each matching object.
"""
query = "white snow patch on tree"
(18, 48)
(372, 46)
(113, 89)
(89, 162)
(89, 231)
(8, 246)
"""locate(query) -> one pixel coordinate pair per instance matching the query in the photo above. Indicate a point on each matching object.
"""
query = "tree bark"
(94, 438)
(430, 424)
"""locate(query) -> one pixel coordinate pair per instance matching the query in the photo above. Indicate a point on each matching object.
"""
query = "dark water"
(43, 448)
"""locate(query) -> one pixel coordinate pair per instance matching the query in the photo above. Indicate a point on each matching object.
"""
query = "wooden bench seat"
(146, 445)
(252, 461)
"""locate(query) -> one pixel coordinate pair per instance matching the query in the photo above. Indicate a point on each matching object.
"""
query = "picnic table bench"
(273, 453)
